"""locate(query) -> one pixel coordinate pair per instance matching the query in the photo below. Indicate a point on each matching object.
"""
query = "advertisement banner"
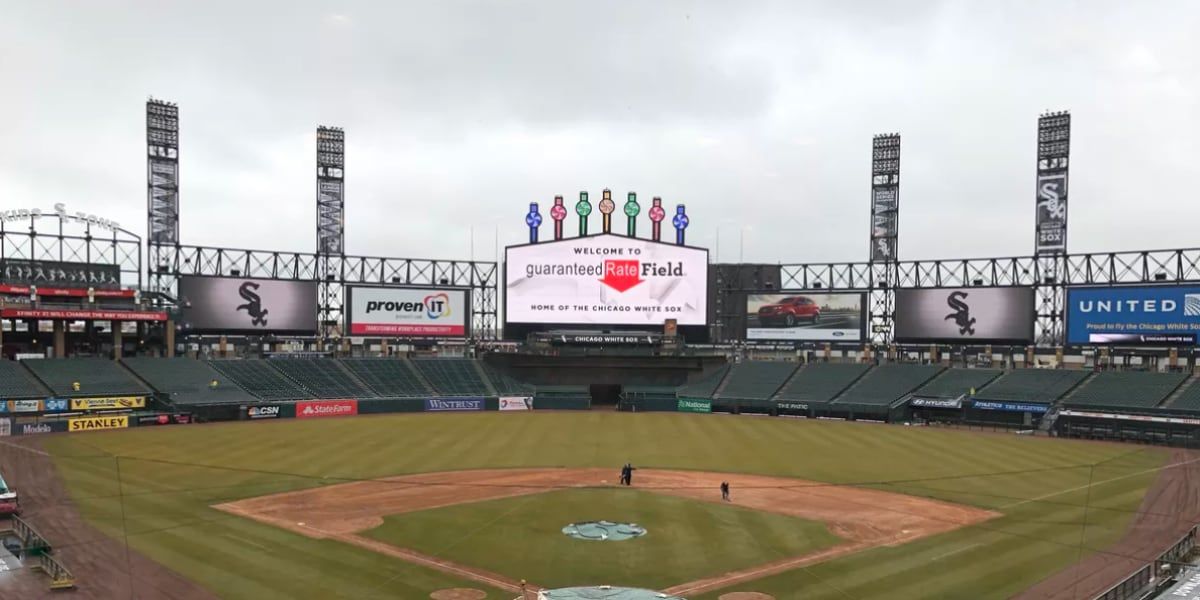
(789, 405)
(885, 223)
(247, 306)
(27, 406)
(1123, 417)
(935, 403)
(263, 412)
(1011, 406)
(97, 423)
(965, 315)
(516, 403)
(326, 408)
(37, 428)
(330, 220)
(1052, 212)
(695, 405)
(57, 404)
(606, 280)
(1138, 315)
(83, 315)
(806, 316)
(398, 312)
(147, 420)
(5, 427)
(445, 405)
(59, 274)
(108, 403)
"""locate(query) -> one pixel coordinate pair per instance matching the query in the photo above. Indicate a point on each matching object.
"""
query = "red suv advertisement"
(788, 311)
(326, 408)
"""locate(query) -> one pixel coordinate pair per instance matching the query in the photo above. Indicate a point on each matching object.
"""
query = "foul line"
(25, 448)
(1102, 482)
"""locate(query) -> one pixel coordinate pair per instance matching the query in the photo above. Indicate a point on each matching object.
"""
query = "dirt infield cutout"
(459, 594)
(863, 518)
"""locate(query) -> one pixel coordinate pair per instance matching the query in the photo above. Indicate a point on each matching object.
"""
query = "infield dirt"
(863, 518)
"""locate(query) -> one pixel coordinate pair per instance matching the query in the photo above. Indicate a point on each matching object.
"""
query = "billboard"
(270, 411)
(884, 223)
(422, 312)
(605, 280)
(326, 408)
(516, 403)
(108, 403)
(1052, 212)
(97, 423)
(1137, 315)
(456, 404)
(802, 316)
(244, 305)
(59, 274)
(965, 315)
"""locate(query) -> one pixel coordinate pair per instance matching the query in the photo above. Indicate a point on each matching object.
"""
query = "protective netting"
(604, 592)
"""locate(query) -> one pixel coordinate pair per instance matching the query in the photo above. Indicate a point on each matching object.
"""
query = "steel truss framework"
(1048, 275)
(70, 241)
(336, 272)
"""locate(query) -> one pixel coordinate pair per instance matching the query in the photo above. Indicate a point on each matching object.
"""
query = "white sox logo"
(253, 305)
(962, 313)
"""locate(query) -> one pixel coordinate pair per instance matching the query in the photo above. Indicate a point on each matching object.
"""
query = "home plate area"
(859, 518)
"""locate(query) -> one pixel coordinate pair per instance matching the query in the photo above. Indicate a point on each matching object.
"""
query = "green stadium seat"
(1043, 386)
(260, 379)
(96, 377)
(505, 384)
(17, 382)
(953, 383)
(755, 380)
(887, 383)
(1188, 398)
(388, 377)
(1125, 389)
(705, 386)
(821, 382)
(452, 376)
(321, 377)
(188, 381)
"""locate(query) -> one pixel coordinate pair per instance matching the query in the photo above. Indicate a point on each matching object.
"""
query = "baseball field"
(408, 505)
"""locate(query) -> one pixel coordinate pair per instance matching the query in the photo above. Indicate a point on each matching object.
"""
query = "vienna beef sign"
(606, 280)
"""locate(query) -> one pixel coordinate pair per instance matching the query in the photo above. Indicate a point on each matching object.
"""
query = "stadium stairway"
(355, 378)
(1179, 391)
(1074, 390)
(487, 382)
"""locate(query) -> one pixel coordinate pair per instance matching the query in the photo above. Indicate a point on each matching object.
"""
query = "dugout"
(1179, 431)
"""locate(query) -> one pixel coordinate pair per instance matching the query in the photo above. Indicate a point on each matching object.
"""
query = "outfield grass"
(686, 540)
(171, 475)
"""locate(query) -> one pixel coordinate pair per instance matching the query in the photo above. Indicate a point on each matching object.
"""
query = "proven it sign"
(606, 280)
(381, 311)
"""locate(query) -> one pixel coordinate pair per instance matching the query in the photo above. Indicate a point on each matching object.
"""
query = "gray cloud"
(757, 115)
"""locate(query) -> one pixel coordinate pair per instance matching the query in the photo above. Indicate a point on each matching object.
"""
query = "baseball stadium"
(605, 413)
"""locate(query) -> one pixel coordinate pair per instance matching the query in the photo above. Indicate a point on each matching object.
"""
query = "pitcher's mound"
(746, 596)
(459, 594)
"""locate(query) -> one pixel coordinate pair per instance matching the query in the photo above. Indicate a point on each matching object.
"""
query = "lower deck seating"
(187, 381)
(1044, 386)
(452, 376)
(704, 386)
(887, 383)
(260, 379)
(96, 377)
(756, 380)
(17, 382)
(1126, 389)
(821, 382)
(388, 377)
(953, 383)
(321, 377)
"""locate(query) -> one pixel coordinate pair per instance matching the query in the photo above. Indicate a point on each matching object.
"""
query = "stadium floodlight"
(1053, 162)
(162, 156)
(331, 201)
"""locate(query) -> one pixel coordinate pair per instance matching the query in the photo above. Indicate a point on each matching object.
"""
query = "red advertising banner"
(23, 290)
(83, 315)
(406, 329)
(326, 408)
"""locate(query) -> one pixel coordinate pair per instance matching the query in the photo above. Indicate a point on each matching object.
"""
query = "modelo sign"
(965, 315)
(1163, 315)
(605, 280)
(381, 311)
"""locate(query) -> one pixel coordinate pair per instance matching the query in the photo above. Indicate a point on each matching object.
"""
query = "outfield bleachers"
(1125, 389)
(887, 383)
(756, 380)
(388, 377)
(321, 377)
(953, 383)
(451, 376)
(821, 382)
(96, 377)
(260, 379)
(505, 384)
(1188, 398)
(705, 386)
(1032, 385)
(187, 381)
(17, 382)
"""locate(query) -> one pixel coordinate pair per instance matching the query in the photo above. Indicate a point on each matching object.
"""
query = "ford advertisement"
(830, 317)
(1164, 315)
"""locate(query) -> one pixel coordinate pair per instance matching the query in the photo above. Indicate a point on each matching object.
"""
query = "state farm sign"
(606, 280)
(326, 408)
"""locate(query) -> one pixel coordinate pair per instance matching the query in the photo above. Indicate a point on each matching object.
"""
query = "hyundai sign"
(249, 306)
(806, 316)
(965, 315)
(1141, 315)
(402, 312)
(606, 280)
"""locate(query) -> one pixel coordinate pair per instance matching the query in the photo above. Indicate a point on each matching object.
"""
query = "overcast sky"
(757, 115)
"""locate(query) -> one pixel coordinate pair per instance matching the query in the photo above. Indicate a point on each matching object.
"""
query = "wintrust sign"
(606, 280)
(408, 312)
(326, 408)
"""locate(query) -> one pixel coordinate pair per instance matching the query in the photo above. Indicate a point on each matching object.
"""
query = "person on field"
(725, 491)
(629, 469)
(624, 473)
